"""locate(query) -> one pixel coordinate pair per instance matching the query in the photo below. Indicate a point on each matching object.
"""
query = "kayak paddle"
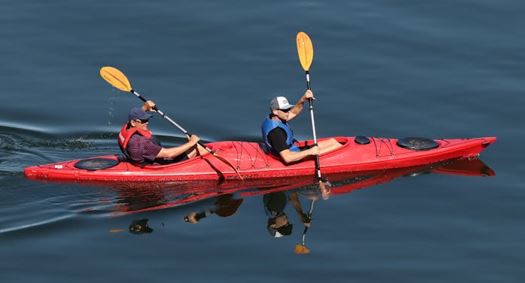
(305, 50)
(117, 79)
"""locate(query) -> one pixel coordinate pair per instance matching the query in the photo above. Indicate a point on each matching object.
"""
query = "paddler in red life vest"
(141, 147)
(278, 136)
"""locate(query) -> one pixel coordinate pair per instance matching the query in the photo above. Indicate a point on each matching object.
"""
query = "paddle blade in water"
(115, 78)
(305, 50)
(301, 250)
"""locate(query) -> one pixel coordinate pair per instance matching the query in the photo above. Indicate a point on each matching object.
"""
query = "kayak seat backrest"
(416, 143)
(93, 164)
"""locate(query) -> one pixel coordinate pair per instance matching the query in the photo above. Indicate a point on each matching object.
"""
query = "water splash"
(111, 107)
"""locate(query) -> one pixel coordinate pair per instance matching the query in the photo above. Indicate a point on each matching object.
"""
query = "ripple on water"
(45, 208)
(20, 148)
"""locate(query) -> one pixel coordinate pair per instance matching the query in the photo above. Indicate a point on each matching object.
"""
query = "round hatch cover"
(417, 143)
(93, 164)
(362, 140)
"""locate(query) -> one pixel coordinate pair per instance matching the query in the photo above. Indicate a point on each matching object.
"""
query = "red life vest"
(125, 135)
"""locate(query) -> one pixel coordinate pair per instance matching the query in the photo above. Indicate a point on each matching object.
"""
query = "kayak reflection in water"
(224, 206)
(278, 223)
(278, 136)
(140, 147)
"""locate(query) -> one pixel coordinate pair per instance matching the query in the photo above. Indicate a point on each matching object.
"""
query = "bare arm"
(292, 156)
(294, 198)
(298, 107)
(172, 152)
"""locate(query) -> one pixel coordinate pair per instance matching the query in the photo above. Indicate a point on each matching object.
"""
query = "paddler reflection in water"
(278, 136)
(140, 146)
(274, 205)
(278, 224)
(140, 227)
(224, 206)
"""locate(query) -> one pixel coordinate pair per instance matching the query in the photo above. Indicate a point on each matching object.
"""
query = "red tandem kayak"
(252, 162)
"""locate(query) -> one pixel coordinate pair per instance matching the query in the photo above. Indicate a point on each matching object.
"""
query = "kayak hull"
(252, 162)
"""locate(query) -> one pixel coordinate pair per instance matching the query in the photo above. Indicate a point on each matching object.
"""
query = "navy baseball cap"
(138, 113)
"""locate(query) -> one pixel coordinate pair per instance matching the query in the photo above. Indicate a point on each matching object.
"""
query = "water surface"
(381, 68)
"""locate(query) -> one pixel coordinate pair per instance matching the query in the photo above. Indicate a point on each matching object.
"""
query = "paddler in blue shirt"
(140, 146)
(278, 136)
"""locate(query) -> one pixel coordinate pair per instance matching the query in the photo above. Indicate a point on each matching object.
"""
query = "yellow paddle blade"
(116, 230)
(305, 49)
(115, 78)
(301, 250)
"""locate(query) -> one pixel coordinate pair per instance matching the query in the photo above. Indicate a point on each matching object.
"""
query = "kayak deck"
(252, 162)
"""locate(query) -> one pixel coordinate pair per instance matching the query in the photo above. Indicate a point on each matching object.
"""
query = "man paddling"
(278, 136)
(140, 146)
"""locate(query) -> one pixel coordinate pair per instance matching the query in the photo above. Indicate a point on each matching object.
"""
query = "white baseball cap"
(280, 103)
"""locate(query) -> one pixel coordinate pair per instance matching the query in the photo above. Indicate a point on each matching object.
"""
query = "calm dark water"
(381, 68)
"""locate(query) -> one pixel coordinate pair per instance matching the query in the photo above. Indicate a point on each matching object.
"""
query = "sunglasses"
(286, 110)
(142, 121)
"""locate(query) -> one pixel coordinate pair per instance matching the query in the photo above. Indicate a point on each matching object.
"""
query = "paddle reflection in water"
(228, 196)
